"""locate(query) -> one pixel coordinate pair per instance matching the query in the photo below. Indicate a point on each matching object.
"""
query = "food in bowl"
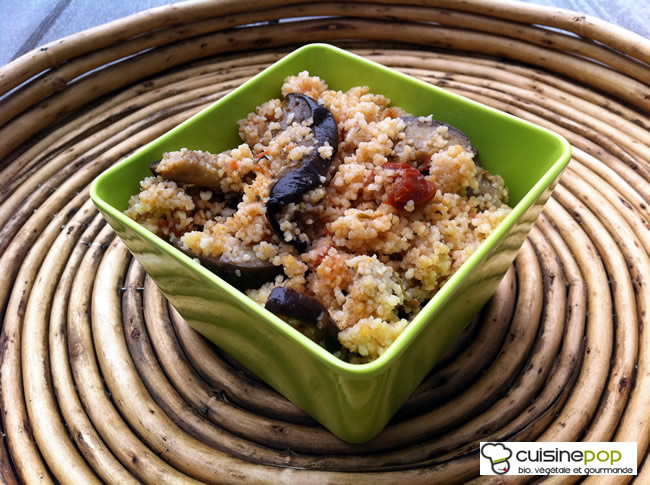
(353, 401)
(339, 212)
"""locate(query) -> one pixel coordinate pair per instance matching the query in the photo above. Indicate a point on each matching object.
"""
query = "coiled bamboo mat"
(101, 381)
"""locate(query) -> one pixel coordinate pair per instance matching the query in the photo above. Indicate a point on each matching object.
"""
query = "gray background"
(31, 23)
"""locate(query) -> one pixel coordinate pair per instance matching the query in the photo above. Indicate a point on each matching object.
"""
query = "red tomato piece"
(410, 184)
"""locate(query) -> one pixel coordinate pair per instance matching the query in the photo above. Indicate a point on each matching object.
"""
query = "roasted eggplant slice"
(290, 187)
(419, 131)
(242, 275)
(204, 169)
(189, 167)
(294, 305)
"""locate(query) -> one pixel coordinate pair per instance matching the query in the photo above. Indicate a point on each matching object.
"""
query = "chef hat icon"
(498, 455)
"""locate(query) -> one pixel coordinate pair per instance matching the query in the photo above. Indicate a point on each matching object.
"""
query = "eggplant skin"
(291, 187)
(243, 276)
(290, 303)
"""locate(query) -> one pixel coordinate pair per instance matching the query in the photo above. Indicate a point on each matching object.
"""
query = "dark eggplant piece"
(292, 304)
(420, 130)
(242, 275)
(290, 187)
(298, 109)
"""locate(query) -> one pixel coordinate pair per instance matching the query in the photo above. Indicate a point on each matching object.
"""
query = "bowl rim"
(415, 326)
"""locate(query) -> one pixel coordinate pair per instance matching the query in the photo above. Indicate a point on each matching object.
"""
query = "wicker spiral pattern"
(103, 382)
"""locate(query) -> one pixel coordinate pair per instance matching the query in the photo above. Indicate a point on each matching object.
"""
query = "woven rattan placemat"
(102, 381)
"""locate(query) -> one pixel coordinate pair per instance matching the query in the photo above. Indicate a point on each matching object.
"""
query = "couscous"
(339, 212)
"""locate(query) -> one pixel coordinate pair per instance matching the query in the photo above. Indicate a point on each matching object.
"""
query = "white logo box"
(558, 458)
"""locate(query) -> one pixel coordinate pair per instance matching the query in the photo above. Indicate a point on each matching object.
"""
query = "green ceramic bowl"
(353, 401)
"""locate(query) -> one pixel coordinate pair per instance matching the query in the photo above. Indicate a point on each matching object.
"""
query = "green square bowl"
(355, 402)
